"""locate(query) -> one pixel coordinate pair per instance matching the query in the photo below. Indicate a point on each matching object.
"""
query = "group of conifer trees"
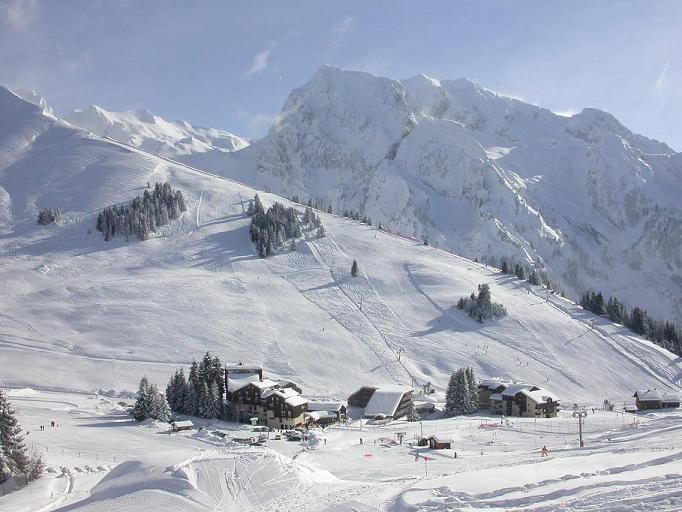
(15, 459)
(270, 229)
(317, 204)
(461, 396)
(143, 215)
(532, 276)
(665, 334)
(356, 215)
(150, 403)
(201, 393)
(49, 216)
(481, 306)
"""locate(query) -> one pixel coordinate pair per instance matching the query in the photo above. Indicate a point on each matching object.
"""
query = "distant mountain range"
(592, 204)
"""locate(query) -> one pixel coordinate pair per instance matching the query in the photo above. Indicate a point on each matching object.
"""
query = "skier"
(544, 452)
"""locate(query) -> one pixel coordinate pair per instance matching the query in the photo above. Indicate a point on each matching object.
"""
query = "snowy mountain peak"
(488, 176)
(143, 129)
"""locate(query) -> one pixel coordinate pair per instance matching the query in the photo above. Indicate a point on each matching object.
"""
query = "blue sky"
(231, 64)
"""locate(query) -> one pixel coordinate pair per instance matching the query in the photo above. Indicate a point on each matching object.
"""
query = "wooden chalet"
(284, 408)
(652, 399)
(439, 442)
(179, 426)
(325, 413)
(528, 401)
(382, 402)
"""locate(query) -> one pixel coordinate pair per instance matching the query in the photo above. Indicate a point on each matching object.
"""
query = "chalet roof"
(441, 439)
(290, 396)
(318, 415)
(296, 400)
(648, 395)
(183, 424)
(494, 383)
(240, 381)
(385, 400)
(539, 395)
(513, 389)
(497, 397)
(264, 384)
(325, 406)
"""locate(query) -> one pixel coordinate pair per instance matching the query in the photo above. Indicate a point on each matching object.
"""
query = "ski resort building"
(488, 388)
(277, 404)
(436, 442)
(325, 413)
(653, 399)
(517, 399)
(382, 402)
(529, 401)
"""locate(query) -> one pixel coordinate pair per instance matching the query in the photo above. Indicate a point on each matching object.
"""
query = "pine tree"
(473, 390)
(457, 398)
(505, 267)
(451, 396)
(14, 459)
(142, 406)
(412, 414)
(354, 270)
(163, 408)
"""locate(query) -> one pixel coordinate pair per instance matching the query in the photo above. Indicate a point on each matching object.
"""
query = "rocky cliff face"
(488, 176)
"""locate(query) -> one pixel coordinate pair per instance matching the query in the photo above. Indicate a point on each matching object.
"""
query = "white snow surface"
(583, 198)
(78, 314)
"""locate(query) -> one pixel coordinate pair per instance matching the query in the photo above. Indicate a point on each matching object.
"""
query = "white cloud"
(663, 81)
(338, 32)
(260, 61)
(257, 123)
(17, 14)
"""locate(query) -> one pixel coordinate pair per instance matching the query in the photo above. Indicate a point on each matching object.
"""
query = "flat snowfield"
(99, 459)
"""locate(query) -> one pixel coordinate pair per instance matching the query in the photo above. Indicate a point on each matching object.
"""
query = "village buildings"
(518, 399)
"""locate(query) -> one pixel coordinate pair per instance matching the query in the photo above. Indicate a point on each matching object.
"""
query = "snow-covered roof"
(493, 383)
(290, 396)
(496, 397)
(325, 406)
(183, 424)
(539, 396)
(653, 395)
(265, 383)
(385, 400)
(441, 439)
(648, 395)
(240, 380)
(318, 415)
(515, 388)
(296, 400)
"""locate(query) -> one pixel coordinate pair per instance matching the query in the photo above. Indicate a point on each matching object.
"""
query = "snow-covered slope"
(485, 175)
(153, 133)
(81, 313)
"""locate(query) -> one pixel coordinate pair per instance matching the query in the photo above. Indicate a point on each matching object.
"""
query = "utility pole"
(580, 415)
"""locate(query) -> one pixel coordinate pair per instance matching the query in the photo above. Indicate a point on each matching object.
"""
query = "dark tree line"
(201, 393)
(48, 216)
(664, 333)
(143, 215)
(270, 229)
(356, 215)
(481, 306)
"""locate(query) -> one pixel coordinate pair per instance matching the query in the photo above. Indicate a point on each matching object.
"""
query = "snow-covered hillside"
(485, 175)
(153, 133)
(81, 313)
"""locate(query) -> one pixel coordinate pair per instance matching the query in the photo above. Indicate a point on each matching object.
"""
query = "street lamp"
(421, 430)
(580, 415)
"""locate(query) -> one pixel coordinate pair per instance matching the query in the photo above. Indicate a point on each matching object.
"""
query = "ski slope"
(79, 313)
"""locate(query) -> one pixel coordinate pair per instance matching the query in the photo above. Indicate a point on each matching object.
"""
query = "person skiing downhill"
(544, 452)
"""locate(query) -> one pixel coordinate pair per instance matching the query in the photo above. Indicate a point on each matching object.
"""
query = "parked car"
(278, 437)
